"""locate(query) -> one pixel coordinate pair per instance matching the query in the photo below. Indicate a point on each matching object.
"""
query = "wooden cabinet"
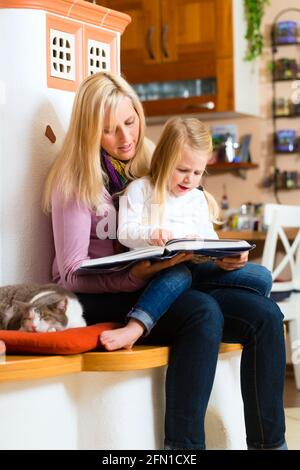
(195, 44)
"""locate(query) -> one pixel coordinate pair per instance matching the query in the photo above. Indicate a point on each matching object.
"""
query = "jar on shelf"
(286, 69)
(283, 107)
(245, 217)
(291, 179)
(285, 140)
(280, 179)
(296, 109)
(286, 32)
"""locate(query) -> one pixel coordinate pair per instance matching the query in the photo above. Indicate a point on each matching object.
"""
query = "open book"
(205, 247)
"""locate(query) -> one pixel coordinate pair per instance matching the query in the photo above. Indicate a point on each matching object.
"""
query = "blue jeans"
(253, 277)
(194, 326)
(160, 294)
(168, 285)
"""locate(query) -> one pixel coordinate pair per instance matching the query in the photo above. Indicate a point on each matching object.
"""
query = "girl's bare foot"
(122, 337)
(2, 348)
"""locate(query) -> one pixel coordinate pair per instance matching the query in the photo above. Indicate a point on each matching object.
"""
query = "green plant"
(254, 13)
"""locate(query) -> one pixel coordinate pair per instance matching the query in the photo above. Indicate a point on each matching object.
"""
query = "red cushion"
(72, 341)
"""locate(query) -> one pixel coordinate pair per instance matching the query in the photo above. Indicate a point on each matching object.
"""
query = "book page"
(142, 253)
(207, 244)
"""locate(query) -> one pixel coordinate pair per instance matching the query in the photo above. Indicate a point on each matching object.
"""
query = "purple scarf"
(117, 180)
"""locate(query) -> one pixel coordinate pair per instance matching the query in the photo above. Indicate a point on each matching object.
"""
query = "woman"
(108, 117)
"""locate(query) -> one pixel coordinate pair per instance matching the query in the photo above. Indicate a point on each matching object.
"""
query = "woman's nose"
(123, 134)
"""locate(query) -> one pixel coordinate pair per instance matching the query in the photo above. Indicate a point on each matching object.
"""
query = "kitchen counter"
(251, 235)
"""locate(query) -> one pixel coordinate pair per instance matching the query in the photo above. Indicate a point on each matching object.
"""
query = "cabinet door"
(140, 43)
(179, 40)
(188, 29)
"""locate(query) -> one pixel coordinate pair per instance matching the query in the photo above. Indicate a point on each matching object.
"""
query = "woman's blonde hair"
(177, 133)
(77, 170)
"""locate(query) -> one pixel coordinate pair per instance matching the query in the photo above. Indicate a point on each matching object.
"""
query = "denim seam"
(271, 446)
(177, 446)
(237, 286)
(256, 393)
(255, 380)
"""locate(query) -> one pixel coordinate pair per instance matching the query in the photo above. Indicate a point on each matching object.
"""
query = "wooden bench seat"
(38, 367)
(120, 407)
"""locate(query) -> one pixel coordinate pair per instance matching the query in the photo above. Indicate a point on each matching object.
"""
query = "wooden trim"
(75, 9)
(38, 367)
(62, 24)
(103, 36)
(228, 347)
(252, 235)
(225, 81)
(141, 357)
(17, 368)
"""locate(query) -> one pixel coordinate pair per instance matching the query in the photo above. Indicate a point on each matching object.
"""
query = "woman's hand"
(145, 270)
(160, 236)
(233, 262)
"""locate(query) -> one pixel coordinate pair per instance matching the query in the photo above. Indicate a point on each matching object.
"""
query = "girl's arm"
(71, 229)
(132, 232)
(205, 227)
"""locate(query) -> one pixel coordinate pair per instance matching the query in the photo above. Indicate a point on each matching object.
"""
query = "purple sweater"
(75, 240)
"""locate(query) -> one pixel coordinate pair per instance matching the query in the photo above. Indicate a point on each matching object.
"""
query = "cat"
(39, 308)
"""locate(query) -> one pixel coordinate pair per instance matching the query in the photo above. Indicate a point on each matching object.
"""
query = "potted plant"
(254, 14)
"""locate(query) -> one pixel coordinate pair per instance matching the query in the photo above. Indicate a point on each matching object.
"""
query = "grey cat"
(39, 308)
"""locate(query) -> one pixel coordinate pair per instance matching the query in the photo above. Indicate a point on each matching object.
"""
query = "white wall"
(26, 153)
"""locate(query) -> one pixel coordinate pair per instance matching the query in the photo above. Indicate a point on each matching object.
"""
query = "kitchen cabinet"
(187, 56)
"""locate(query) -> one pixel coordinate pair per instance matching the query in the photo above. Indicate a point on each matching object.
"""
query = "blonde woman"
(103, 150)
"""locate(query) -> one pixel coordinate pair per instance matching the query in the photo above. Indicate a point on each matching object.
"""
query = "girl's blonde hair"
(177, 133)
(77, 170)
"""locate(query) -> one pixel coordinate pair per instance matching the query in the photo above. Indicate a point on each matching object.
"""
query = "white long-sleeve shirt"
(185, 215)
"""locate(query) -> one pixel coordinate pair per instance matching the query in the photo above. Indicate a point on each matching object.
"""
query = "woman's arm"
(72, 229)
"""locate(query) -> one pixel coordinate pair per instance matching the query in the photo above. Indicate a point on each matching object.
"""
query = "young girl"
(170, 203)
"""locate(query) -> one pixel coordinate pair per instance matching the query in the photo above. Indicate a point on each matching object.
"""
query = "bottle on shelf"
(224, 205)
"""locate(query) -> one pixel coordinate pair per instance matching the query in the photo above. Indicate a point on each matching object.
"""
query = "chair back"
(277, 218)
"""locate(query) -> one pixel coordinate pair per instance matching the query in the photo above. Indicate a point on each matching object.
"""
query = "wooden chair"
(279, 219)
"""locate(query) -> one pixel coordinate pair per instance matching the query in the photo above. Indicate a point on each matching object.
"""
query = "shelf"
(282, 70)
(232, 166)
(252, 235)
(276, 80)
(286, 189)
(289, 116)
(275, 44)
(283, 152)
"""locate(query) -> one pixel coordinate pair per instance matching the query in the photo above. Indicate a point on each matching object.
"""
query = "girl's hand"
(145, 270)
(160, 236)
(233, 262)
